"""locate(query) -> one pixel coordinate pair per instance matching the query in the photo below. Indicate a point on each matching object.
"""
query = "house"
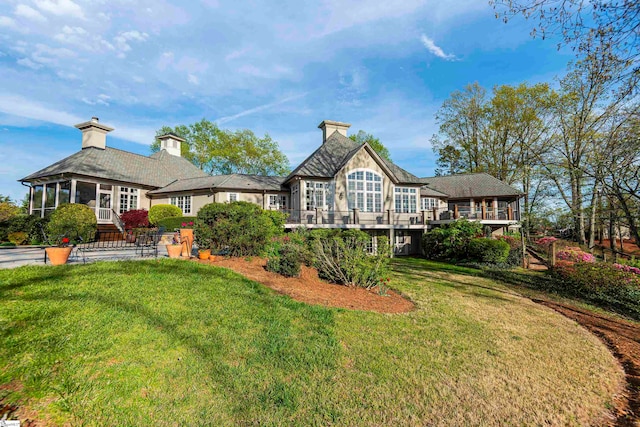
(342, 184)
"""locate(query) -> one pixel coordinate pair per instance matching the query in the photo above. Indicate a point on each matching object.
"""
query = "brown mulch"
(623, 339)
(629, 246)
(309, 288)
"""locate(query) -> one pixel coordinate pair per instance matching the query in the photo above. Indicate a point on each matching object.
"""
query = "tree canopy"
(222, 151)
(361, 137)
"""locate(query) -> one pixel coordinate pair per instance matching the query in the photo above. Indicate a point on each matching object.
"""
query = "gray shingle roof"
(337, 150)
(430, 192)
(231, 182)
(157, 170)
(471, 185)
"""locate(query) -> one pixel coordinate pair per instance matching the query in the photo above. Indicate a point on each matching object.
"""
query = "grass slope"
(172, 342)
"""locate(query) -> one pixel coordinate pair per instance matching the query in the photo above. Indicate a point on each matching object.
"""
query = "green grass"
(179, 343)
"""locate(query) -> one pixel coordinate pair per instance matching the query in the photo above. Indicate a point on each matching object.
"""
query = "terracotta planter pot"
(213, 258)
(58, 256)
(204, 254)
(174, 251)
(186, 237)
(130, 238)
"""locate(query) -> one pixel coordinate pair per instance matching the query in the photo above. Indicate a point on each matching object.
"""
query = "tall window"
(364, 191)
(319, 195)
(427, 203)
(183, 202)
(128, 199)
(406, 199)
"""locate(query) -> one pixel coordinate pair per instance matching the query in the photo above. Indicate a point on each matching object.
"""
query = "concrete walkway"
(19, 256)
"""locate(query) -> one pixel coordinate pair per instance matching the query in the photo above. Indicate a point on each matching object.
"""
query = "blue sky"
(279, 67)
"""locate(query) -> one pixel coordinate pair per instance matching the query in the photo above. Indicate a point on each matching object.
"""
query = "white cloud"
(60, 8)
(101, 99)
(121, 41)
(193, 79)
(165, 60)
(29, 63)
(227, 119)
(29, 13)
(23, 107)
(436, 50)
(5, 21)
(236, 54)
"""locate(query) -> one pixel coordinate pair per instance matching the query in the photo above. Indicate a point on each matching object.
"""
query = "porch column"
(30, 210)
(455, 211)
(44, 196)
(57, 202)
(72, 196)
(484, 209)
(472, 208)
(495, 208)
(392, 240)
(509, 213)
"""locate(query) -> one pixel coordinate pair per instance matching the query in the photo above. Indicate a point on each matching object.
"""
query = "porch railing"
(104, 214)
(390, 217)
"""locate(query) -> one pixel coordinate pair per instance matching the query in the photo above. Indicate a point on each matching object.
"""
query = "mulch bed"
(309, 288)
(623, 339)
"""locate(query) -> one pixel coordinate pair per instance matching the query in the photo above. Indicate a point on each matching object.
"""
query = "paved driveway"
(19, 256)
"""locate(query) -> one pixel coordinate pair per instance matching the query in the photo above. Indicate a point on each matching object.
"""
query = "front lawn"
(181, 343)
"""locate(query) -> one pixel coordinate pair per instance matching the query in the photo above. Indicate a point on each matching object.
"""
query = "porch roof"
(471, 185)
(157, 170)
(236, 181)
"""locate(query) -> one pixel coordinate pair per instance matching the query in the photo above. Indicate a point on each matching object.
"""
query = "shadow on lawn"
(280, 346)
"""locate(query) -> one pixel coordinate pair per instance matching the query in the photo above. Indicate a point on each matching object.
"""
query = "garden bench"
(115, 241)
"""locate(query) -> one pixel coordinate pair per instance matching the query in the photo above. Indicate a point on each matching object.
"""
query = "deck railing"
(390, 217)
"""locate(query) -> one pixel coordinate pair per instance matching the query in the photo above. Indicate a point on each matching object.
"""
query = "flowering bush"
(627, 268)
(603, 284)
(575, 254)
(546, 241)
(187, 224)
(135, 218)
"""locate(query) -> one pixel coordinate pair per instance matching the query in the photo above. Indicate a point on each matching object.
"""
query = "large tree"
(361, 137)
(598, 30)
(221, 151)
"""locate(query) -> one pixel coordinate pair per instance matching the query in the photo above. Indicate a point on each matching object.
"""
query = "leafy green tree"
(221, 151)
(361, 137)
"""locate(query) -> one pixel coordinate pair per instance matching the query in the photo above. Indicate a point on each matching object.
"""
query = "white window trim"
(436, 203)
(364, 191)
(328, 194)
(177, 203)
(234, 193)
(415, 195)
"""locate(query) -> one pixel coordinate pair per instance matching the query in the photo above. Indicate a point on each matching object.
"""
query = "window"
(183, 202)
(86, 193)
(406, 199)
(427, 203)
(37, 197)
(319, 195)
(364, 191)
(128, 199)
(65, 192)
(277, 201)
(232, 197)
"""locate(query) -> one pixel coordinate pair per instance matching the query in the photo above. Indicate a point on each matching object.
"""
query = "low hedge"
(488, 250)
(287, 262)
(162, 211)
(172, 223)
(32, 225)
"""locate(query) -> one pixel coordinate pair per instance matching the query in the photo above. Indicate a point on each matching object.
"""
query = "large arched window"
(364, 190)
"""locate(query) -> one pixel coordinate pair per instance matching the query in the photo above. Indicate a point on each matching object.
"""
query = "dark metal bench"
(145, 241)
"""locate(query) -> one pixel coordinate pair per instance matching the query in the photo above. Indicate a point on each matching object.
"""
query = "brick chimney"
(172, 143)
(329, 126)
(94, 134)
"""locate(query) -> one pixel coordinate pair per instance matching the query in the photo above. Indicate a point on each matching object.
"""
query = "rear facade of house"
(342, 184)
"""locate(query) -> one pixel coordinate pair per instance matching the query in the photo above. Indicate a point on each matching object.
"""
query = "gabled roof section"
(334, 154)
(239, 182)
(157, 170)
(430, 192)
(471, 185)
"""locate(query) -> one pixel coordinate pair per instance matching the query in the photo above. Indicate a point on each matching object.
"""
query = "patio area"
(34, 255)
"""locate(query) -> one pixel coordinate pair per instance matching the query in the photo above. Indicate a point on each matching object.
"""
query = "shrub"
(239, 228)
(451, 241)
(135, 218)
(601, 283)
(176, 222)
(287, 262)
(341, 257)
(31, 224)
(488, 250)
(162, 211)
(18, 237)
(73, 221)
(575, 254)
(515, 250)
(7, 244)
(8, 210)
